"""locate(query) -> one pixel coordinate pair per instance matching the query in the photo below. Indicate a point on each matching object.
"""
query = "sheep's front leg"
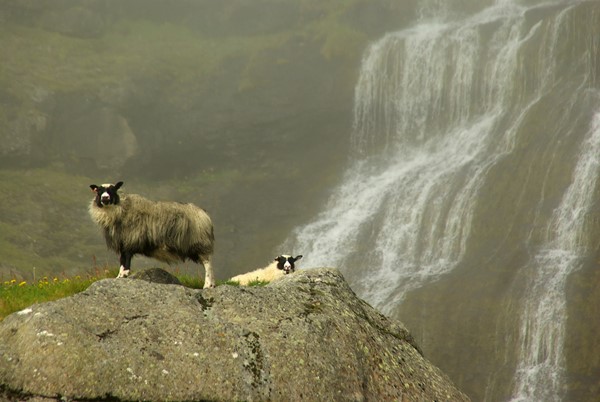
(125, 261)
(209, 278)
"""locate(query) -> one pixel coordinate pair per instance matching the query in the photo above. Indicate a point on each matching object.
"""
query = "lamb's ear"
(118, 185)
(299, 257)
(94, 188)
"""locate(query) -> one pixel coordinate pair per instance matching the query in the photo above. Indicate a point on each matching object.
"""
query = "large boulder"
(306, 336)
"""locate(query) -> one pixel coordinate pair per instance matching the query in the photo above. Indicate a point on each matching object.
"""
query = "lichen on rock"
(307, 336)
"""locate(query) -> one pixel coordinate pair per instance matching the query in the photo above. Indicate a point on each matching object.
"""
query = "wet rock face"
(306, 336)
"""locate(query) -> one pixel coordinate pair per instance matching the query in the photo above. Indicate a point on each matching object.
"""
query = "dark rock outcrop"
(306, 337)
(156, 275)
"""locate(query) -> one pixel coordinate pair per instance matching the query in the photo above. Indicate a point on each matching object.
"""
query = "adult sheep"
(166, 231)
(281, 265)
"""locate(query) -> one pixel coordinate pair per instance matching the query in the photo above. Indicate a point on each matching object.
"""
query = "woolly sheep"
(166, 231)
(281, 265)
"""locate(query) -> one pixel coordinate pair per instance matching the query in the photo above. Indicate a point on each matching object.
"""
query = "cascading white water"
(437, 106)
(425, 133)
(540, 372)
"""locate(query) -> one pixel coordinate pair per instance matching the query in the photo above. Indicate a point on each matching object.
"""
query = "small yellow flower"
(55, 280)
(23, 283)
(13, 281)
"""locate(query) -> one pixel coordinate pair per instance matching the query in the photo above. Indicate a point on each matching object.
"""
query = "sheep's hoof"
(123, 273)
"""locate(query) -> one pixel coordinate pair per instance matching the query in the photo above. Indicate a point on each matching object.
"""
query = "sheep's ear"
(298, 257)
(118, 185)
(94, 188)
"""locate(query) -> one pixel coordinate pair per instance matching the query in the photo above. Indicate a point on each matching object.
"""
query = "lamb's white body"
(281, 265)
(267, 274)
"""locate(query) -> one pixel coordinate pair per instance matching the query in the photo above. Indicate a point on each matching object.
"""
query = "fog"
(243, 108)
(442, 154)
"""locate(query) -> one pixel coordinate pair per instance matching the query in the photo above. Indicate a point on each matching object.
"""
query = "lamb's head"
(106, 194)
(287, 263)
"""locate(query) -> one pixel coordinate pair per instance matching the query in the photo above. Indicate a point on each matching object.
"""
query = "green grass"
(49, 62)
(17, 295)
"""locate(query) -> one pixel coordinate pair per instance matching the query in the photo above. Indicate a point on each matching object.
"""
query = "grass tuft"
(17, 295)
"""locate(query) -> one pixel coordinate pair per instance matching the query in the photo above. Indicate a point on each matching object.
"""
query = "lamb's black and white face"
(106, 194)
(287, 263)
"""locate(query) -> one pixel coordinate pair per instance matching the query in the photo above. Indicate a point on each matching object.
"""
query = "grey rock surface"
(156, 275)
(305, 337)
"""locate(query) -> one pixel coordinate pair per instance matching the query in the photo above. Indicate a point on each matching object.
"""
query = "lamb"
(281, 265)
(166, 231)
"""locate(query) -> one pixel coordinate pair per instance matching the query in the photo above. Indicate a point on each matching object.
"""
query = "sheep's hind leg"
(209, 277)
(125, 268)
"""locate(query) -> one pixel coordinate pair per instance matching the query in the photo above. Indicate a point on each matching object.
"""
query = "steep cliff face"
(306, 336)
(197, 79)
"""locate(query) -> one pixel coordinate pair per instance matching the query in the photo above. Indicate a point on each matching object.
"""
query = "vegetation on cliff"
(223, 104)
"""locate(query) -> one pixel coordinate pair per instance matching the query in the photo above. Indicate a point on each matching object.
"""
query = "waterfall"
(540, 372)
(438, 107)
(420, 162)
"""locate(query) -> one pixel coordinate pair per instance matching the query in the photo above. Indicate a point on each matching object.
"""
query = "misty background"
(241, 107)
(444, 154)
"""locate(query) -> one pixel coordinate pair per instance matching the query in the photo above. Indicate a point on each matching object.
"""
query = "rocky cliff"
(306, 336)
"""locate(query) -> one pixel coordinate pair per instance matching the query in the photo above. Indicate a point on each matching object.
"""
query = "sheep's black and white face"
(106, 194)
(287, 263)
